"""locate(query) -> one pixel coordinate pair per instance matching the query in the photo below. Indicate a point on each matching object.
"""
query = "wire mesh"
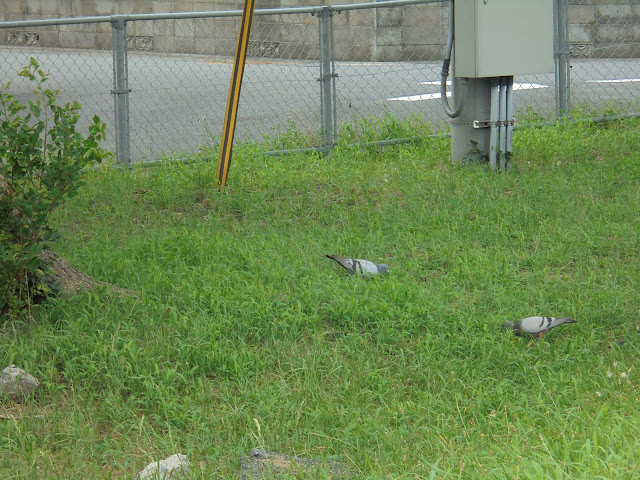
(76, 60)
(604, 39)
(387, 62)
(179, 74)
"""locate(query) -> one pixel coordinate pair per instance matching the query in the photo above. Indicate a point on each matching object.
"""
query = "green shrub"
(41, 159)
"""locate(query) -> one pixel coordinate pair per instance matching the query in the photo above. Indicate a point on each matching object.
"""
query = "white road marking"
(528, 86)
(415, 98)
(622, 80)
(432, 96)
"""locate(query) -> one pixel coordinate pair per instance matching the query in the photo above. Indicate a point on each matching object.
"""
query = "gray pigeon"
(535, 326)
(364, 268)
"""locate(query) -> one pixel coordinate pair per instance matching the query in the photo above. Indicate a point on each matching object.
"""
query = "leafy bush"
(41, 159)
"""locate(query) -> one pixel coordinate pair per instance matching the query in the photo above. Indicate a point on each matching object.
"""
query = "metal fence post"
(327, 79)
(562, 56)
(121, 90)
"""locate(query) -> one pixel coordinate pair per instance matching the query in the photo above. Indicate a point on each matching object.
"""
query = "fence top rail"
(210, 14)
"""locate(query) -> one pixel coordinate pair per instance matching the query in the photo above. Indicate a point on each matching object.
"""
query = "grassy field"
(243, 335)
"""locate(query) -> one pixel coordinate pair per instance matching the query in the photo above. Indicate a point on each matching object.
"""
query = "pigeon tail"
(562, 320)
(347, 263)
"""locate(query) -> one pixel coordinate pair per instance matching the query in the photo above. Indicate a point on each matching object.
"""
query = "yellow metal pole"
(234, 93)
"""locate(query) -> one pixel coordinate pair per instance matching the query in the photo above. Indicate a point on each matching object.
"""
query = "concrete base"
(468, 143)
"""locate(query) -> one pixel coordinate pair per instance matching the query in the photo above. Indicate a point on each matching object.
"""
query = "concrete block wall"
(604, 28)
(598, 28)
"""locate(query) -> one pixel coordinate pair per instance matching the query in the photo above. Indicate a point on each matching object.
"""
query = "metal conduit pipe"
(503, 121)
(493, 121)
(509, 118)
(459, 95)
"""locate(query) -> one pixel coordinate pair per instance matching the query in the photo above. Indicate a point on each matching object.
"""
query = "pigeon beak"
(507, 326)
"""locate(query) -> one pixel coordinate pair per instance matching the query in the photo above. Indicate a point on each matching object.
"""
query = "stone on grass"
(16, 383)
(263, 464)
(175, 467)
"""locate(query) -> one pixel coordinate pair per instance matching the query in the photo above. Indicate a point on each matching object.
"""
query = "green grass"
(243, 335)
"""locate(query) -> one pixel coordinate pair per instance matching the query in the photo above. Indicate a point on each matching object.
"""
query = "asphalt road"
(177, 102)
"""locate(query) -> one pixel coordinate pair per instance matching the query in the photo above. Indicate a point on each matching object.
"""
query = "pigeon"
(364, 268)
(535, 326)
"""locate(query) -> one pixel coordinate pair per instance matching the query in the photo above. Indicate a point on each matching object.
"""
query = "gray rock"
(262, 464)
(176, 467)
(16, 383)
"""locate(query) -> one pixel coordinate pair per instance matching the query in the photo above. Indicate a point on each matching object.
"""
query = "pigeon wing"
(366, 268)
(347, 263)
(533, 325)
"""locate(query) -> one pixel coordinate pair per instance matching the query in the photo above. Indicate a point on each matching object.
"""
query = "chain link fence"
(604, 41)
(170, 73)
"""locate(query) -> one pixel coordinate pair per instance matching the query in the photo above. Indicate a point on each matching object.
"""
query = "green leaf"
(34, 107)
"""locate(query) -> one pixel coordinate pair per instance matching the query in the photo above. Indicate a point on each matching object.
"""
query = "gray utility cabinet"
(503, 37)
